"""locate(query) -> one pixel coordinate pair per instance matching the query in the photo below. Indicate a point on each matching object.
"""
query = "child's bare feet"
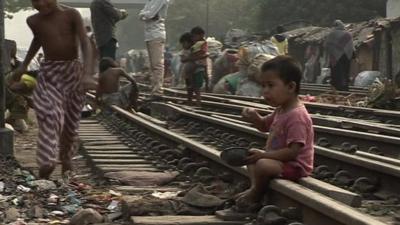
(249, 201)
(237, 196)
(45, 171)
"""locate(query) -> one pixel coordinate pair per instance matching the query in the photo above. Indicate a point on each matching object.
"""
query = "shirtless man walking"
(59, 95)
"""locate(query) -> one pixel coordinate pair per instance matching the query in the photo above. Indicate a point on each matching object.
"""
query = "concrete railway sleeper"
(372, 179)
(315, 208)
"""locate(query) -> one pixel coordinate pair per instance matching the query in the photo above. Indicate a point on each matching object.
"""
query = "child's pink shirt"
(290, 127)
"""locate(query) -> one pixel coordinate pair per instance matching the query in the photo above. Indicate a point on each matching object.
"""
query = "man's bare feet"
(66, 165)
(45, 171)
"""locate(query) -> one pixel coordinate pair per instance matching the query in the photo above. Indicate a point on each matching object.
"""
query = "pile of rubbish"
(245, 81)
(24, 199)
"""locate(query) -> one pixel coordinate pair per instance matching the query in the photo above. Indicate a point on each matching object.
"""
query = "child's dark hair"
(288, 69)
(197, 31)
(186, 38)
(106, 63)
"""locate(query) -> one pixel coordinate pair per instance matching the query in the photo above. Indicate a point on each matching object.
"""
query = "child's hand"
(255, 155)
(250, 114)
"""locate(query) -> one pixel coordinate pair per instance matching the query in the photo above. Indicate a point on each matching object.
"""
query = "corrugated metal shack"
(377, 44)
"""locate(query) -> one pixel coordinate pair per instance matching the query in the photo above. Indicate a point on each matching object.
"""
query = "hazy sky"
(16, 28)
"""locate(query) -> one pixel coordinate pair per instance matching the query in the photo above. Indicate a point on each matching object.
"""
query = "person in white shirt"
(154, 14)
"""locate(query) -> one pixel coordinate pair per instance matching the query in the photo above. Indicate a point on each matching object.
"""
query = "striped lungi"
(58, 102)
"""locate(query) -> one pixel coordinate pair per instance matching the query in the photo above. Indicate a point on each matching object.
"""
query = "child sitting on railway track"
(289, 152)
(109, 91)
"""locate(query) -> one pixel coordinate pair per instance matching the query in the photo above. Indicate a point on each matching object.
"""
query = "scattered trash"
(199, 197)
(53, 198)
(15, 201)
(18, 172)
(114, 216)
(57, 222)
(165, 195)
(85, 217)
(18, 222)
(72, 198)
(113, 193)
(43, 185)
(1, 186)
(12, 214)
(38, 212)
(23, 188)
(57, 213)
(113, 205)
(3, 198)
(70, 209)
(77, 157)
(81, 186)
(29, 178)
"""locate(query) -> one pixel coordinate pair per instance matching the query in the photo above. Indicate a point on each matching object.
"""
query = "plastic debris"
(29, 178)
(164, 195)
(17, 172)
(113, 205)
(57, 213)
(43, 185)
(23, 188)
(53, 198)
(114, 193)
(73, 199)
(70, 209)
(15, 201)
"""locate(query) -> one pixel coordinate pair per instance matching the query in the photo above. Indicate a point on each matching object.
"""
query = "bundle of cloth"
(245, 81)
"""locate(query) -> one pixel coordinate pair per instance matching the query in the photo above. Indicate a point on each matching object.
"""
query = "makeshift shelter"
(377, 44)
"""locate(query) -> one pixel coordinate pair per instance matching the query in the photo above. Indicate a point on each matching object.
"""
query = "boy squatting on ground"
(18, 99)
(289, 152)
(196, 64)
(59, 95)
(109, 91)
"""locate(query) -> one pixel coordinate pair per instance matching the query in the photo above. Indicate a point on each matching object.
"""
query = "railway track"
(360, 115)
(388, 117)
(370, 176)
(318, 89)
(127, 141)
(344, 140)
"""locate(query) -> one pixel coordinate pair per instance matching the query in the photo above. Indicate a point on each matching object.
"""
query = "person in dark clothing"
(104, 18)
(340, 50)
